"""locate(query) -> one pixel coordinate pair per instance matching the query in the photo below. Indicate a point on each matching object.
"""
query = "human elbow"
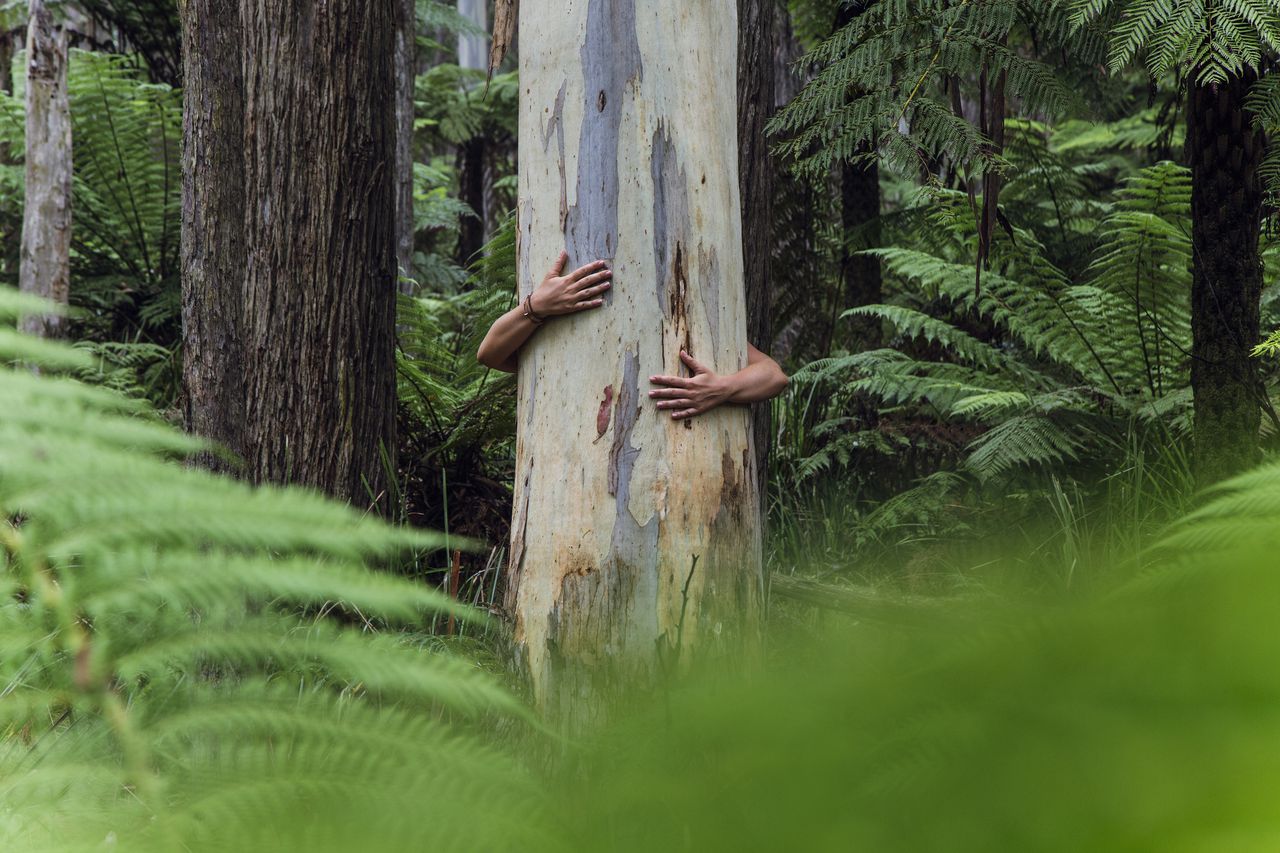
(486, 356)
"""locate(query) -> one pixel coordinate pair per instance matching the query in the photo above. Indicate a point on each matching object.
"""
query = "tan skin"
(582, 290)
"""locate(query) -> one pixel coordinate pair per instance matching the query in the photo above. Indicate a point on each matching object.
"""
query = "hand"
(695, 395)
(567, 294)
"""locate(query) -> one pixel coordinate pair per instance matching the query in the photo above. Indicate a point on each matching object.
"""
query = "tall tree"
(756, 39)
(320, 243)
(634, 537)
(473, 153)
(45, 267)
(860, 274)
(1224, 44)
(406, 70)
(213, 211)
(1226, 220)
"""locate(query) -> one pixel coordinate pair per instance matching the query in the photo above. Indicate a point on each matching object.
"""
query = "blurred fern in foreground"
(171, 675)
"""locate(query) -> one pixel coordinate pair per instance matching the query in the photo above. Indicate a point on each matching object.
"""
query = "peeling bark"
(631, 113)
(45, 268)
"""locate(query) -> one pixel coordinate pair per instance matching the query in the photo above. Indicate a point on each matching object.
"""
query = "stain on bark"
(611, 64)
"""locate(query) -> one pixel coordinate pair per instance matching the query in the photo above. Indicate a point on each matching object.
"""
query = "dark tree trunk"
(860, 221)
(213, 257)
(320, 243)
(1226, 211)
(860, 275)
(471, 165)
(756, 25)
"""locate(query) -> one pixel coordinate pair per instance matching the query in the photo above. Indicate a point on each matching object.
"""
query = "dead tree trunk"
(213, 258)
(45, 267)
(320, 244)
(635, 538)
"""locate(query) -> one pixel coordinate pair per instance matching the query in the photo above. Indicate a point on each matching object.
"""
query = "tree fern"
(164, 644)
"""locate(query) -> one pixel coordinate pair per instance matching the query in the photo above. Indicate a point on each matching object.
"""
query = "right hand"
(580, 290)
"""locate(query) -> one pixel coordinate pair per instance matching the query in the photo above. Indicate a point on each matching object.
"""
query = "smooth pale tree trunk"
(756, 25)
(406, 69)
(1226, 219)
(45, 267)
(635, 539)
(213, 256)
(320, 244)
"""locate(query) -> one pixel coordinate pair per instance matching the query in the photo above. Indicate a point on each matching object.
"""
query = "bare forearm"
(501, 345)
(760, 380)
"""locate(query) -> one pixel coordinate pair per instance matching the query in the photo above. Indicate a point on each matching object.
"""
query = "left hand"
(693, 395)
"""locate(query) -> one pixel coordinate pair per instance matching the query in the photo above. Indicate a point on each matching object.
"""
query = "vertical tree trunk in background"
(629, 153)
(320, 243)
(861, 277)
(473, 53)
(213, 212)
(406, 69)
(45, 268)
(6, 61)
(756, 25)
(1226, 210)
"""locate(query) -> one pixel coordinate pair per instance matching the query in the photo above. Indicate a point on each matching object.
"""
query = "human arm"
(559, 294)
(686, 397)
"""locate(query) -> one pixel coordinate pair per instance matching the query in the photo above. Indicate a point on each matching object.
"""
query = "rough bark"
(213, 210)
(1226, 210)
(45, 266)
(629, 154)
(756, 25)
(406, 69)
(320, 243)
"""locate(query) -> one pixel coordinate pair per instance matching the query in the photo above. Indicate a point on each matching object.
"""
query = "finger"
(594, 279)
(588, 305)
(692, 363)
(687, 413)
(668, 393)
(558, 266)
(675, 404)
(583, 272)
(671, 381)
(589, 292)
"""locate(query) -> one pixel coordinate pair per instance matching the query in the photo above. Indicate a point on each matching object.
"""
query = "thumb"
(693, 364)
(558, 266)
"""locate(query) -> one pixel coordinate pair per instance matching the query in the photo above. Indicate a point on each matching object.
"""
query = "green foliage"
(174, 674)
(1217, 39)
(985, 723)
(892, 82)
(126, 201)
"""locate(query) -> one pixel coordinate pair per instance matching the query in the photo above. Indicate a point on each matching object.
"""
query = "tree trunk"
(213, 212)
(406, 71)
(45, 268)
(756, 24)
(472, 160)
(1226, 211)
(320, 244)
(6, 60)
(634, 537)
(861, 277)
